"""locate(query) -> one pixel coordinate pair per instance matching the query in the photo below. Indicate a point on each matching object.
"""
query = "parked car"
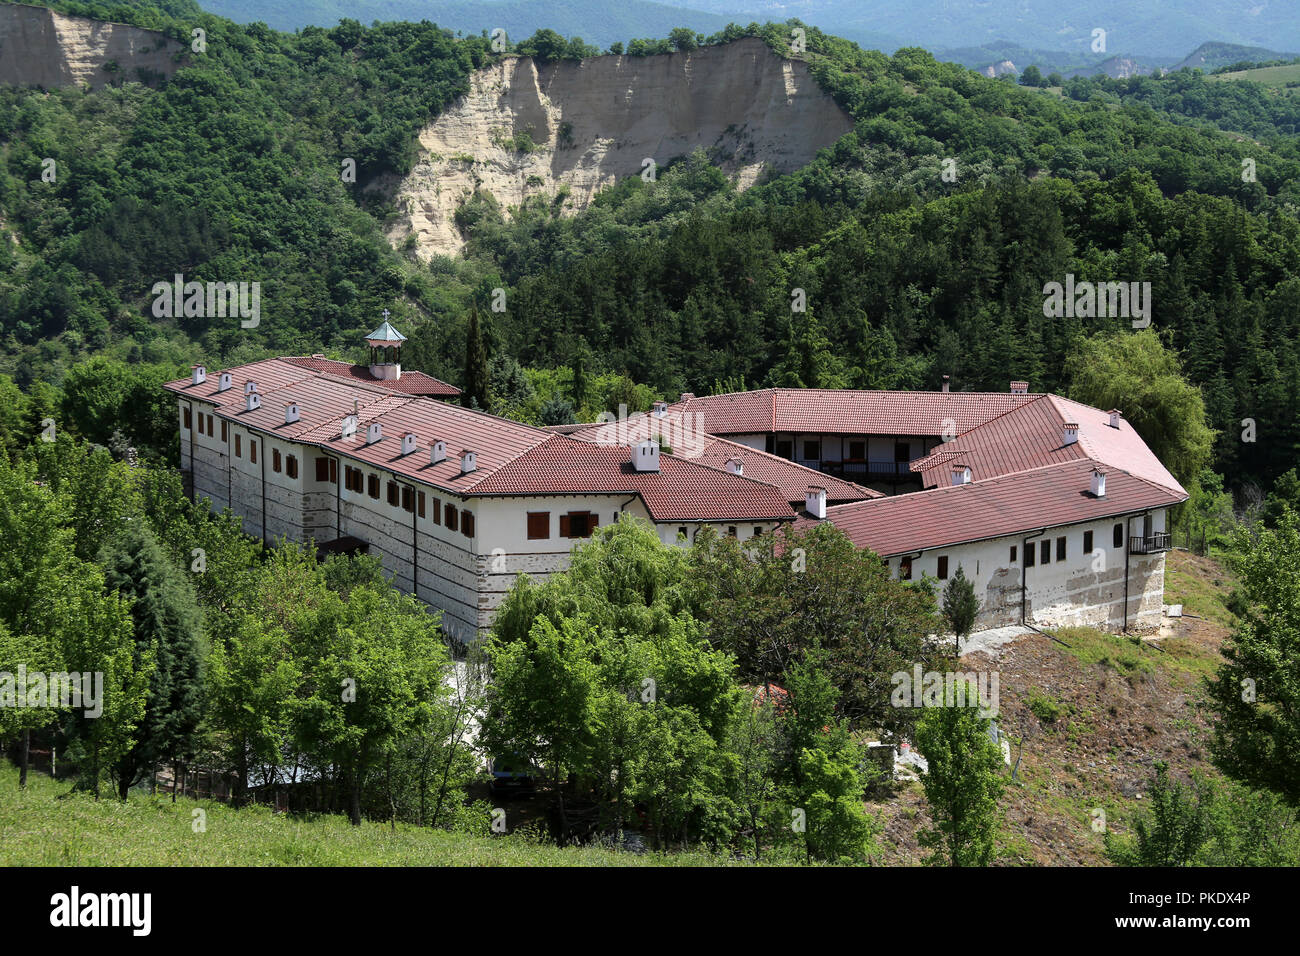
(512, 774)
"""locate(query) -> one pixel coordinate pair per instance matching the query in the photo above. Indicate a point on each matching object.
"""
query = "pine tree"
(475, 394)
(960, 605)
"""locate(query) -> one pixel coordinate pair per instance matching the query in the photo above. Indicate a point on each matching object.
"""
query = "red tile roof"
(847, 411)
(1017, 503)
(411, 382)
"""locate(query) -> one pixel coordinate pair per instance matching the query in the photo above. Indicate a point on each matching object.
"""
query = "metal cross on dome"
(385, 314)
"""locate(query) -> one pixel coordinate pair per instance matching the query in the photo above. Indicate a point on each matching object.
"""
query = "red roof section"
(411, 382)
(847, 411)
(1049, 496)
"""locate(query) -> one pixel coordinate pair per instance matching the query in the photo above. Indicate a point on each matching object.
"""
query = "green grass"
(1274, 76)
(1124, 654)
(48, 825)
(1200, 585)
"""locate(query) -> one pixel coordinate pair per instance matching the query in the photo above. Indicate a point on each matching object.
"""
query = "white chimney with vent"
(349, 427)
(1115, 416)
(645, 455)
(438, 452)
(735, 466)
(223, 381)
(408, 443)
(467, 462)
(291, 413)
(1019, 388)
(961, 474)
(250, 387)
(945, 383)
(1098, 483)
(661, 409)
(815, 501)
(374, 432)
(1070, 433)
(198, 374)
(252, 401)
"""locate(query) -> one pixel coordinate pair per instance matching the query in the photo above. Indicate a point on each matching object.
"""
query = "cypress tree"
(476, 365)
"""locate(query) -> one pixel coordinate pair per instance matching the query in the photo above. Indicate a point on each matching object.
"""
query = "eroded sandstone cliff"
(39, 47)
(526, 129)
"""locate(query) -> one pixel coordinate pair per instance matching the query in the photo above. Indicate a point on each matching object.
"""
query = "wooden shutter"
(564, 526)
(539, 525)
(419, 503)
(322, 469)
(467, 524)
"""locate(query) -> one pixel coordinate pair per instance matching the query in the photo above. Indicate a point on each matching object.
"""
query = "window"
(731, 531)
(450, 516)
(408, 499)
(334, 472)
(1045, 553)
(392, 493)
(275, 459)
(1060, 549)
(1087, 542)
(577, 524)
(785, 449)
(372, 486)
(189, 422)
(539, 525)
(351, 478)
(252, 451)
(419, 503)
(225, 432)
(467, 524)
(238, 450)
(437, 510)
(1013, 554)
(902, 451)
(211, 430)
(681, 532)
(291, 466)
(943, 566)
(1118, 535)
(1029, 555)
(812, 450)
(857, 450)
(322, 469)
(758, 531)
(904, 569)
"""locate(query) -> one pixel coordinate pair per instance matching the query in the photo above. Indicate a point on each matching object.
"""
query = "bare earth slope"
(598, 119)
(39, 47)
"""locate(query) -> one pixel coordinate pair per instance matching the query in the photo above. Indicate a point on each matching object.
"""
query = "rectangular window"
(238, 450)
(943, 566)
(334, 472)
(758, 531)
(291, 466)
(539, 525)
(1060, 549)
(577, 524)
(1045, 553)
(437, 510)
(1118, 536)
(392, 493)
(322, 469)
(189, 422)
(225, 432)
(252, 451)
(902, 451)
(408, 499)
(419, 503)
(857, 450)
(681, 532)
(1013, 554)
(467, 524)
(812, 451)
(1029, 555)
(372, 486)
(905, 569)
(785, 449)
(211, 430)
(1087, 542)
(450, 517)
(275, 460)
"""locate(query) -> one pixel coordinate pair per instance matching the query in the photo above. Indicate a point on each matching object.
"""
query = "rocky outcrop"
(39, 47)
(528, 129)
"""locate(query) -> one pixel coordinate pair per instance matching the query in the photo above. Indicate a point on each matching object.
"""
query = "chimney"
(408, 443)
(945, 383)
(438, 452)
(291, 413)
(815, 502)
(1098, 483)
(349, 427)
(252, 401)
(374, 432)
(250, 387)
(687, 396)
(1071, 433)
(961, 474)
(1115, 415)
(223, 381)
(467, 462)
(198, 374)
(1019, 388)
(735, 466)
(661, 409)
(645, 455)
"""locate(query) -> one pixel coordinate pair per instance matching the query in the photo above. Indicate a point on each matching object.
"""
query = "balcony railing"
(1150, 544)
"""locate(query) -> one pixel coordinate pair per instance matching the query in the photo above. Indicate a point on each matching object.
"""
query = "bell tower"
(386, 351)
